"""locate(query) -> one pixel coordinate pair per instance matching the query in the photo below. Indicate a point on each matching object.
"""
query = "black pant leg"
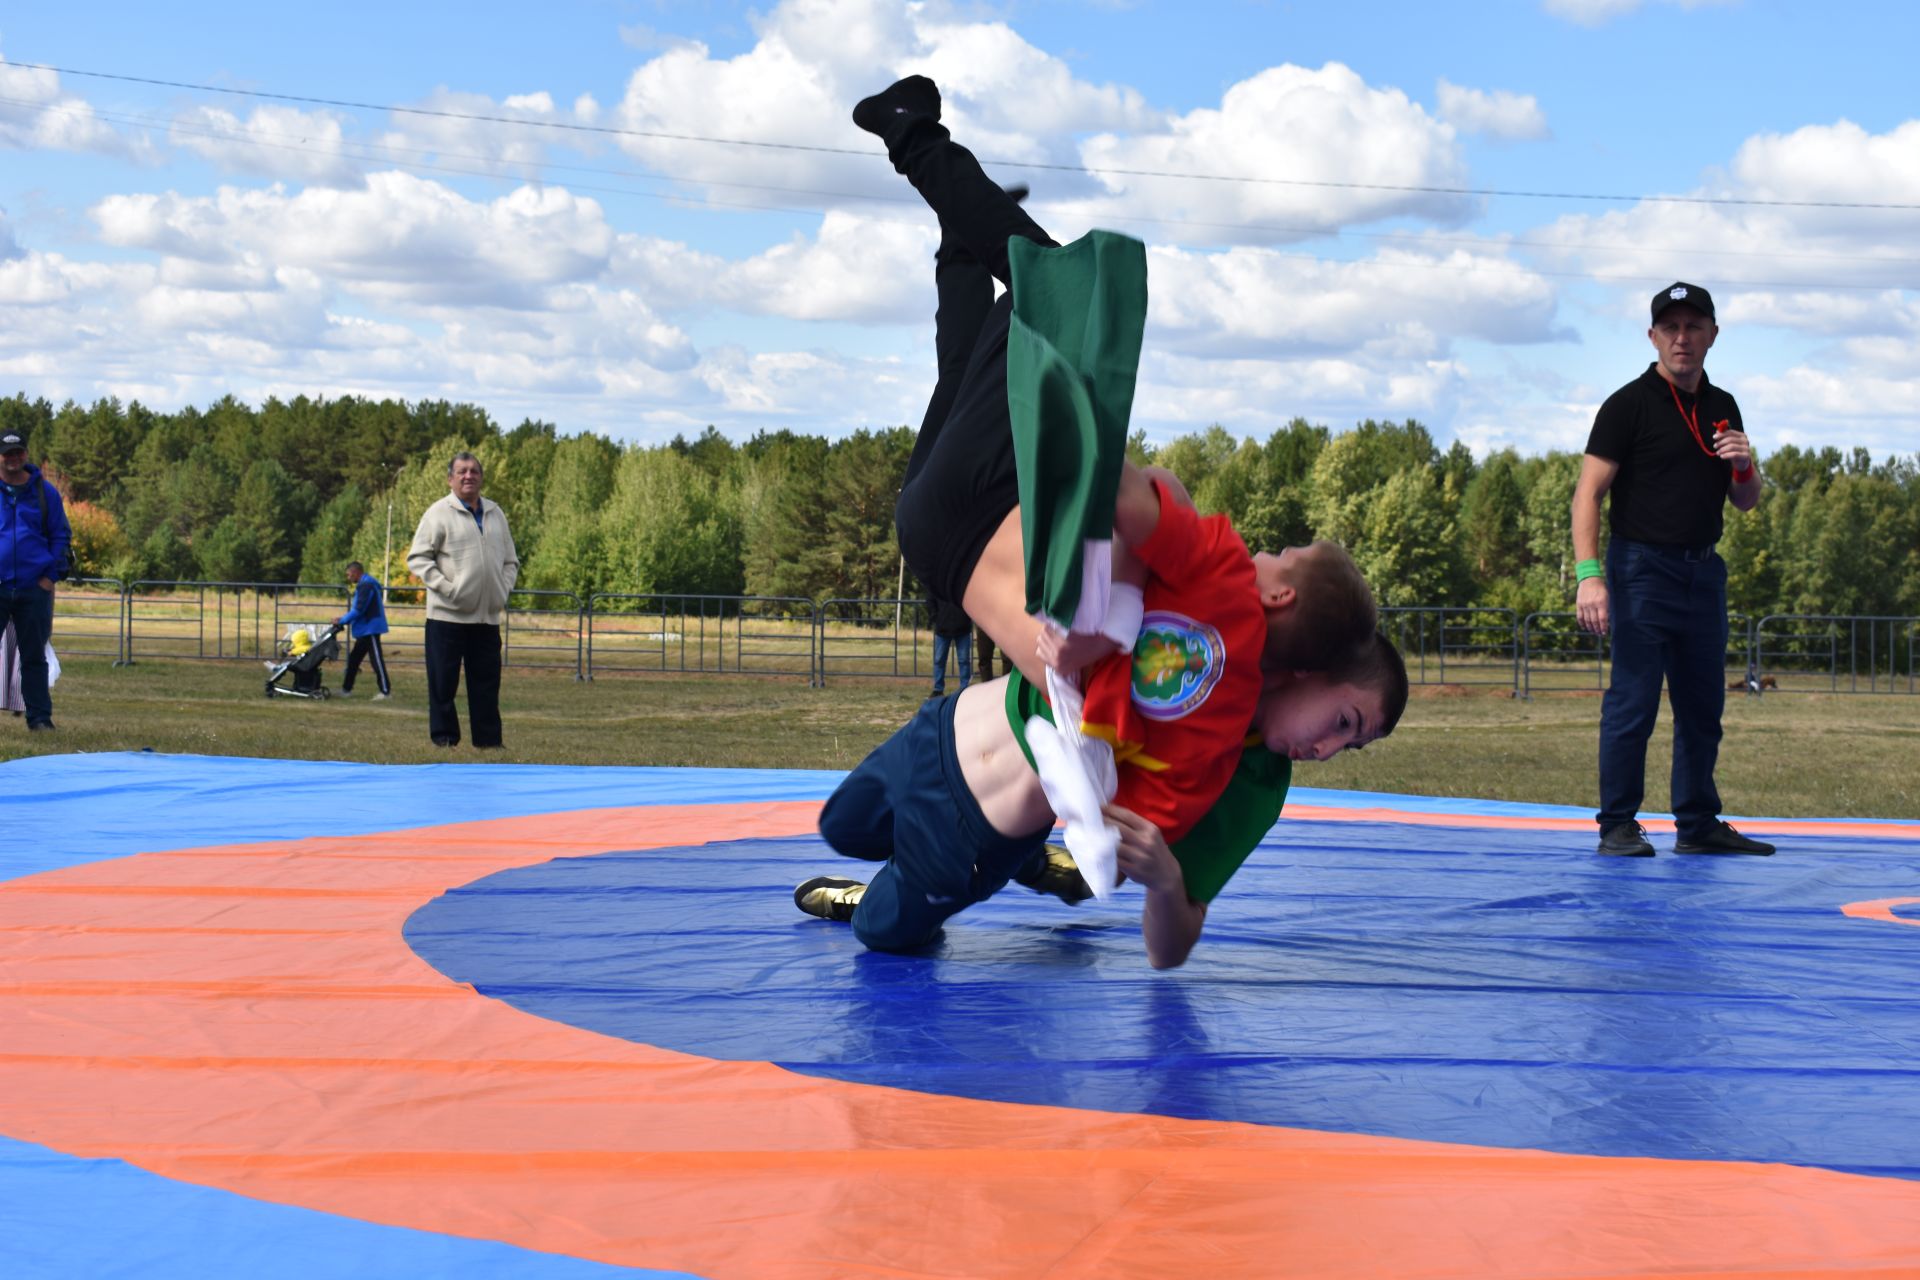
(973, 209)
(377, 654)
(443, 651)
(355, 656)
(964, 290)
(482, 651)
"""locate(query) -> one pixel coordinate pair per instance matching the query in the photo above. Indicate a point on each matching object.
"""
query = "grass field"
(1803, 755)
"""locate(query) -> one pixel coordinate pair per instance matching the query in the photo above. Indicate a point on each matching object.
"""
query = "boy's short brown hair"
(1332, 612)
(1375, 664)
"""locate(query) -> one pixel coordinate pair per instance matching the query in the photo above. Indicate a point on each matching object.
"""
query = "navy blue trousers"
(907, 805)
(1669, 621)
(30, 610)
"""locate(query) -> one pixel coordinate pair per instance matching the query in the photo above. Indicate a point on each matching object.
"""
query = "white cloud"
(1779, 249)
(512, 137)
(277, 142)
(35, 115)
(1501, 114)
(1403, 304)
(1299, 152)
(1594, 13)
(813, 59)
(401, 238)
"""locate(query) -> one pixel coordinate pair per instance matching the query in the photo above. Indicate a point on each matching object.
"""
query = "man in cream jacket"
(463, 552)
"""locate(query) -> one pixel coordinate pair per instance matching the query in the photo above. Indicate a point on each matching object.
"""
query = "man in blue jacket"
(34, 539)
(368, 619)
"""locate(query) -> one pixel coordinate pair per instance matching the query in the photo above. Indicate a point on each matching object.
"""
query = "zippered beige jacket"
(468, 570)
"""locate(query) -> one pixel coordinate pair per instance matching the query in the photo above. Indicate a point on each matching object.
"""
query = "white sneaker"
(382, 697)
(344, 693)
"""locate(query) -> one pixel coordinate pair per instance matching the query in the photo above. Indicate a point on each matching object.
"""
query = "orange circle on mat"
(249, 1017)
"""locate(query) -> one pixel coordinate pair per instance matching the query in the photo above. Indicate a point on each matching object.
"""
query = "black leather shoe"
(1723, 839)
(1625, 840)
(913, 96)
(40, 726)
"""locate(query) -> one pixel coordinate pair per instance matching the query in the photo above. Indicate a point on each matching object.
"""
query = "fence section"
(1455, 646)
(885, 638)
(891, 639)
(1809, 653)
(734, 635)
(91, 612)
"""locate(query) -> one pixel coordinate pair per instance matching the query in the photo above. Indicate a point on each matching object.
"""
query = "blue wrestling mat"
(1448, 976)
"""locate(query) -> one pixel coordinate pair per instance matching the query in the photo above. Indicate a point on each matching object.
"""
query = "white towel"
(1078, 775)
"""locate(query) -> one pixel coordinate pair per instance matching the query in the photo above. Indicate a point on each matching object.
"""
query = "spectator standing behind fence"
(34, 540)
(463, 552)
(952, 629)
(1671, 449)
(367, 616)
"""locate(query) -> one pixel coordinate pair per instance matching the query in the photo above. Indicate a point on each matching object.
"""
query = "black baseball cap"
(1680, 293)
(12, 438)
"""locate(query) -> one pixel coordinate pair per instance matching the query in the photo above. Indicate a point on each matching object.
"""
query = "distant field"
(1804, 755)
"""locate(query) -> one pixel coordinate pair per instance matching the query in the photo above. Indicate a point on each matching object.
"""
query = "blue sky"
(174, 245)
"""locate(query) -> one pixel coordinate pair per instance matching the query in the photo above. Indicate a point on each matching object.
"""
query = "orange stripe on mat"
(324, 1064)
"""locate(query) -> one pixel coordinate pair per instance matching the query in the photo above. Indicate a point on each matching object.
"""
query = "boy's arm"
(1171, 922)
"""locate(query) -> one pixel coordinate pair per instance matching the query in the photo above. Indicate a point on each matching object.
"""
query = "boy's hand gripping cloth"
(1073, 350)
(1078, 775)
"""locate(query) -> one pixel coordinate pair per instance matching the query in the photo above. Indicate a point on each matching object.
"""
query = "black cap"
(1680, 293)
(12, 438)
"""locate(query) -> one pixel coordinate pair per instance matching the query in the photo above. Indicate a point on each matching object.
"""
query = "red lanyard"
(1693, 422)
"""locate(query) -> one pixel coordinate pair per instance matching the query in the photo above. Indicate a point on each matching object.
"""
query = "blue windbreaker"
(33, 544)
(368, 614)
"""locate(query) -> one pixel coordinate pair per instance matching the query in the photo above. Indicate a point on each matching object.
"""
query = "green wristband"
(1588, 569)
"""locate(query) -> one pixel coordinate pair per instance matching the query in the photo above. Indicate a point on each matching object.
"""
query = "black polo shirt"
(1669, 489)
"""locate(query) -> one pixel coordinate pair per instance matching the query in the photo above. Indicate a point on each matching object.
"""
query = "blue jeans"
(962, 647)
(1669, 620)
(907, 805)
(30, 610)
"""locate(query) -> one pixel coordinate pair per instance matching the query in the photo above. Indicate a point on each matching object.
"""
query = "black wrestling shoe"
(1723, 839)
(913, 96)
(1625, 840)
(829, 897)
(1052, 870)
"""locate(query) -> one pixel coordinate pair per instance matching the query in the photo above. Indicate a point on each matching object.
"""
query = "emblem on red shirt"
(1176, 663)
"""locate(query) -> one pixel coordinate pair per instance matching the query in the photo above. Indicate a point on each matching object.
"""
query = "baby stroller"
(297, 674)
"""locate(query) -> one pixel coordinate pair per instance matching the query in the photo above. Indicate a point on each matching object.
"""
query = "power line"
(407, 158)
(661, 136)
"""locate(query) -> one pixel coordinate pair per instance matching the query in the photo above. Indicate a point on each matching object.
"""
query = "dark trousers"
(30, 610)
(476, 645)
(960, 480)
(962, 647)
(367, 649)
(1669, 620)
(908, 806)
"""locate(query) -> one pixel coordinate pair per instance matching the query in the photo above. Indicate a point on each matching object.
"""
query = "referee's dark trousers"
(1669, 619)
(476, 645)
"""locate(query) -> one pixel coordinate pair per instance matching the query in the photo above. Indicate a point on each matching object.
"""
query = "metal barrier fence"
(1455, 646)
(611, 633)
(92, 618)
(732, 635)
(1877, 652)
(867, 638)
(1555, 654)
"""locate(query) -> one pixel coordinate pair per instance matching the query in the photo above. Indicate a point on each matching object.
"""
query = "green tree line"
(291, 490)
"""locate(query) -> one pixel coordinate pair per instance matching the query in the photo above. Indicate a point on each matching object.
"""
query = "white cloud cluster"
(1594, 13)
(37, 115)
(276, 142)
(1499, 114)
(472, 133)
(1290, 153)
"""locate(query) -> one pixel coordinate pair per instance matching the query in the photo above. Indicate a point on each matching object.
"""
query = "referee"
(1671, 449)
